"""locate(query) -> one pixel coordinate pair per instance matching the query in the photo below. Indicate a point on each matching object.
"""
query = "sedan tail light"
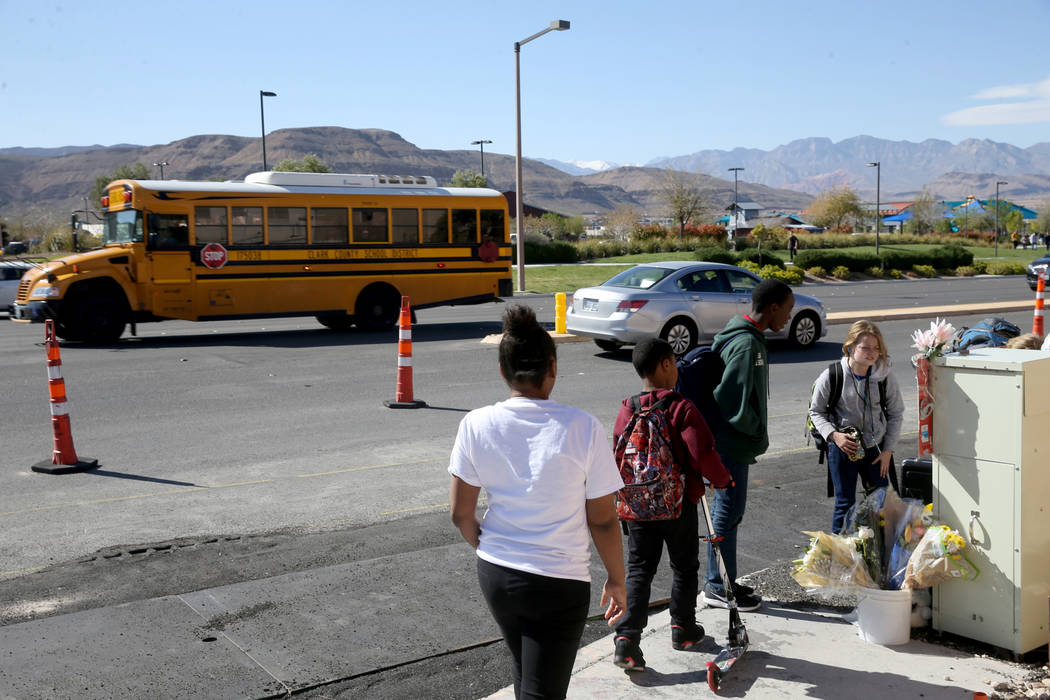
(631, 305)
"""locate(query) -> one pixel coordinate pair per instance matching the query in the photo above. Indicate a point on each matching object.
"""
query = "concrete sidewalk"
(794, 653)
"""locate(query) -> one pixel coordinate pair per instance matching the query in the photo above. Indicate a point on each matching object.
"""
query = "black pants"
(645, 543)
(542, 620)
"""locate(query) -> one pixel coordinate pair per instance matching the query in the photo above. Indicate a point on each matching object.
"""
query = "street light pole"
(262, 121)
(878, 204)
(481, 143)
(556, 25)
(735, 200)
(161, 166)
(997, 183)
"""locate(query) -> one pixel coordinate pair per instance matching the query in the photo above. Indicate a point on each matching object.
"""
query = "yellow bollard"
(559, 312)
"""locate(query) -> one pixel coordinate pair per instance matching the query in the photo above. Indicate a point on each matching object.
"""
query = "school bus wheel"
(95, 315)
(378, 306)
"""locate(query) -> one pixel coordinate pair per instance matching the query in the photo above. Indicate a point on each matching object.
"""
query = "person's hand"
(883, 460)
(845, 442)
(615, 596)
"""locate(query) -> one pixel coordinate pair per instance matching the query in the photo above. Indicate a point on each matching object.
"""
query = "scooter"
(737, 642)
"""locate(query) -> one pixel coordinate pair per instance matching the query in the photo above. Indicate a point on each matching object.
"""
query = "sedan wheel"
(680, 334)
(804, 330)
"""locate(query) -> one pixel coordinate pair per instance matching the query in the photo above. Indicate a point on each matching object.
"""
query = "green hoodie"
(741, 395)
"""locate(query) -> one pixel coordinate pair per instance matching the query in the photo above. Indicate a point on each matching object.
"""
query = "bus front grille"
(23, 292)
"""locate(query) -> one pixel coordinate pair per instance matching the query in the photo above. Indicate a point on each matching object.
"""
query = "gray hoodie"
(853, 410)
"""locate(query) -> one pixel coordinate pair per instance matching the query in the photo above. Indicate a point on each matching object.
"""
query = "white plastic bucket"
(884, 617)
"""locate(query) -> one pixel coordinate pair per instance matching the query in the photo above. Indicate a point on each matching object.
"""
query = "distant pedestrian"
(1046, 241)
(741, 398)
(870, 404)
(550, 477)
(693, 458)
(792, 246)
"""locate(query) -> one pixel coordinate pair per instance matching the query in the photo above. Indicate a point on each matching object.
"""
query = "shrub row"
(721, 255)
(553, 252)
(944, 257)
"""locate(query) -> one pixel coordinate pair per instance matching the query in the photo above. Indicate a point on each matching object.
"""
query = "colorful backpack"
(654, 484)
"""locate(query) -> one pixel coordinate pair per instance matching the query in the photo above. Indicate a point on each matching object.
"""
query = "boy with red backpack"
(664, 450)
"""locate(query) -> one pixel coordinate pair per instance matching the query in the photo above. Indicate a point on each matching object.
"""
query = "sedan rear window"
(638, 277)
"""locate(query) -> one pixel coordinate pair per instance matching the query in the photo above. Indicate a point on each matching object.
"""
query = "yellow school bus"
(343, 248)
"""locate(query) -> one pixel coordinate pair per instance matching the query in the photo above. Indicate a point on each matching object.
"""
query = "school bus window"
(464, 226)
(122, 227)
(370, 225)
(169, 230)
(210, 224)
(247, 225)
(405, 225)
(493, 227)
(286, 225)
(435, 226)
(329, 225)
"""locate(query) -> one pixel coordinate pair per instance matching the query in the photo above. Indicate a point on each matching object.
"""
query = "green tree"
(835, 207)
(309, 164)
(684, 199)
(760, 234)
(925, 212)
(138, 171)
(1042, 224)
(575, 226)
(468, 178)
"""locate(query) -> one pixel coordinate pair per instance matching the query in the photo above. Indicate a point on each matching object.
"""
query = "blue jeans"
(727, 510)
(844, 473)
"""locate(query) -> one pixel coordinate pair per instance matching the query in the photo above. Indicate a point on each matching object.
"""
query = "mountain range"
(57, 180)
(948, 170)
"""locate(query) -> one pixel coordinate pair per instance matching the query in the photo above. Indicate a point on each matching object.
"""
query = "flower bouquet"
(833, 563)
(940, 556)
(930, 344)
(933, 342)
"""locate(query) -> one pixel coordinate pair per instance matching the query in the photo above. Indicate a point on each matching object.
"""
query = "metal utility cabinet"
(991, 482)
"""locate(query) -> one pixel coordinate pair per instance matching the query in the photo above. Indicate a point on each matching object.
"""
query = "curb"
(841, 317)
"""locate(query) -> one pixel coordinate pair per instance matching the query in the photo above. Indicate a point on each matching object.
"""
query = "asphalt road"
(244, 450)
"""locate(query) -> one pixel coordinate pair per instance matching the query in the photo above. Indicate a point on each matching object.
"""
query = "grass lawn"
(569, 278)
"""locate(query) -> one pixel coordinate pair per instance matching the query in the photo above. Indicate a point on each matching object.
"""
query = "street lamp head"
(1002, 182)
(560, 25)
(479, 142)
(161, 163)
(734, 169)
(874, 165)
(264, 93)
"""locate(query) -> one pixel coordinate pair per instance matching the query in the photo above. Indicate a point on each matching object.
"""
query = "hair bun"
(520, 321)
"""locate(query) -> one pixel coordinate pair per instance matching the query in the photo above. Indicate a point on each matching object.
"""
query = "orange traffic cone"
(403, 396)
(64, 458)
(1037, 320)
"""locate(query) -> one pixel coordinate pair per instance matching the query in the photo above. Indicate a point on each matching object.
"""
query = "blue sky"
(628, 82)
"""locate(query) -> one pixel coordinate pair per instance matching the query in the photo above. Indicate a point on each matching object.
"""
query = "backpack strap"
(837, 377)
(882, 399)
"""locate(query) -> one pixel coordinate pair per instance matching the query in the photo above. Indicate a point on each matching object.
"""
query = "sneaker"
(628, 655)
(685, 636)
(744, 603)
(740, 589)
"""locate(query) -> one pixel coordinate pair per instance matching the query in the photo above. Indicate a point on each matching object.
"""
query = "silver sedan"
(686, 303)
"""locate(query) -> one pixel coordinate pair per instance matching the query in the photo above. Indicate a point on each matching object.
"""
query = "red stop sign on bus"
(213, 255)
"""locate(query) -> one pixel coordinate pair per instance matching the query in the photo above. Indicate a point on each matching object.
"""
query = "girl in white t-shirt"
(550, 477)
